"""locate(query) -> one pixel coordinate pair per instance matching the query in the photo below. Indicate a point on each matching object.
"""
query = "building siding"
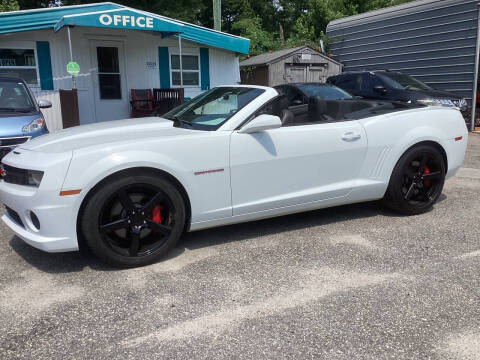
(139, 48)
(434, 41)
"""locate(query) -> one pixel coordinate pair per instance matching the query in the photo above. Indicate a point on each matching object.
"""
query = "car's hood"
(11, 124)
(104, 133)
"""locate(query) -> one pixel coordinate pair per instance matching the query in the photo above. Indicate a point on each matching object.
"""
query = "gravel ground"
(353, 282)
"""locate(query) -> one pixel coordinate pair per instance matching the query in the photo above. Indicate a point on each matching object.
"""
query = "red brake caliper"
(426, 183)
(157, 214)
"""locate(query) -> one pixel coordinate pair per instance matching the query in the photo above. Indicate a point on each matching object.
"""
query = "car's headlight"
(428, 102)
(437, 102)
(14, 175)
(36, 124)
(34, 178)
(461, 104)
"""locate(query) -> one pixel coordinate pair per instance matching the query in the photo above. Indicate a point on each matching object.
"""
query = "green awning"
(89, 15)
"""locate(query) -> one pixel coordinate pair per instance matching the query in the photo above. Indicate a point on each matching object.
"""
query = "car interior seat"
(288, 118)
(280, 109)
(317, 110)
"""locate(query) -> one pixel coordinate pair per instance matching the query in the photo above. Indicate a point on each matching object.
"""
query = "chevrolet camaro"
(128, 189)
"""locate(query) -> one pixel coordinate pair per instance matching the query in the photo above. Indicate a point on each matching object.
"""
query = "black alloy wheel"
(417, 180)
(423, 179)
(134, 221)
(137, 220)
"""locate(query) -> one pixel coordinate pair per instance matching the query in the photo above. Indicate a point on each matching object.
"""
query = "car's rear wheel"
(417, 181)
(133, 220)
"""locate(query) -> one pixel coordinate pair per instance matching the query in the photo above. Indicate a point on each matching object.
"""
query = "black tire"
(417, 181)
(119, 224)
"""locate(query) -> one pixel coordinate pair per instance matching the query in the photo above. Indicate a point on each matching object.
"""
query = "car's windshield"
(211, 109)
(14, 97)
(403, 82)
(326, 92)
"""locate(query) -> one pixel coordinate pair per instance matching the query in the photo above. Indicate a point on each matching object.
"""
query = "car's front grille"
(15, 175)
(14, 216)
(460, 103)
(4, 151)
(13, 141)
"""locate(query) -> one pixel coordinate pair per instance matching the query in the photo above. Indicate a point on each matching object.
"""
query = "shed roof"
(271, 57)
(48, 18)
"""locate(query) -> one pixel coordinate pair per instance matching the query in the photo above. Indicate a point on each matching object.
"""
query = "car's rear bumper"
(456, 150)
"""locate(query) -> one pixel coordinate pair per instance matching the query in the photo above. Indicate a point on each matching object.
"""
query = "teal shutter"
(164, 67)
(44, 65)
(205, 68)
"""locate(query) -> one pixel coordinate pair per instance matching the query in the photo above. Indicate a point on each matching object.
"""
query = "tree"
(269, 24)
(8, 5)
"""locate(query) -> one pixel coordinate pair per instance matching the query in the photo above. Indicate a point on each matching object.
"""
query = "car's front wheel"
(417, 181)
(133, 220)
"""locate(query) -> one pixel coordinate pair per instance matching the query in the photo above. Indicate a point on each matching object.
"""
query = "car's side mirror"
(44, 104)
(261, 123)
(379, 89)
(296, 102)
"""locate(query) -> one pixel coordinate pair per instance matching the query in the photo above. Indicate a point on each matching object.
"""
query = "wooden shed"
(300, 64)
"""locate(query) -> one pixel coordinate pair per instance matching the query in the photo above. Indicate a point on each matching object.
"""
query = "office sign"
(122, 19)
(128, 21)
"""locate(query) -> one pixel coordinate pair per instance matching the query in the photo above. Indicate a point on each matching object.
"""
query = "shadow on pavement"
(266, 227)
(77, 261)
(54, 263)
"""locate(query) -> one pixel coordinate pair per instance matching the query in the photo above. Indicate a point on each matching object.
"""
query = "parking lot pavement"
(353, 282)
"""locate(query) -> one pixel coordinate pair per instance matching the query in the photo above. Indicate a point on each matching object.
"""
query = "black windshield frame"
(307, 90)
(184, 115)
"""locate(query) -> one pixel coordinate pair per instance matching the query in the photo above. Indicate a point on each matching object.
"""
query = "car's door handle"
(350, 136)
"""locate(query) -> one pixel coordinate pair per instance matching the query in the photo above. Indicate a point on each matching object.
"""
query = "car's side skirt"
(369, 190)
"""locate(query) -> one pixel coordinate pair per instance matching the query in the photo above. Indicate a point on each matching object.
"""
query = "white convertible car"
(128, 189)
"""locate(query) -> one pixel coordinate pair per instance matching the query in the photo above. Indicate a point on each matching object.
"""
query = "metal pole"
(71, 54)
(217, 15)
(475, 80)
(180, 57)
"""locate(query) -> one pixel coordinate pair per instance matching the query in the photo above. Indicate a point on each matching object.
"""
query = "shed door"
(109, 83)
(317, 74)
(295, 73)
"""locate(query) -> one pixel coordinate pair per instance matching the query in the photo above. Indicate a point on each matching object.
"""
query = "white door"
(109, 83)
(295, 165)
